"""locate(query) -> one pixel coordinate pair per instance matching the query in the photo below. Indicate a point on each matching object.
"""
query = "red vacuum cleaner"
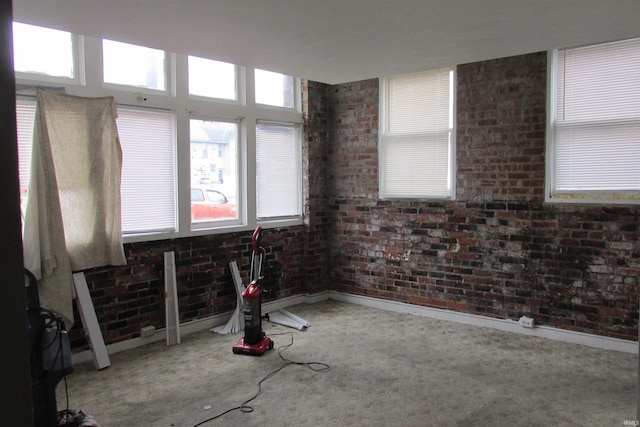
(254, 342)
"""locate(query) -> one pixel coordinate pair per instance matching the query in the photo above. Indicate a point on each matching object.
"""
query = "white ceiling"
(337, 41)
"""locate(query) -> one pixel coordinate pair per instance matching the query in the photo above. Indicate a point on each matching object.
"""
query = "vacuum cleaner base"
(256, 349)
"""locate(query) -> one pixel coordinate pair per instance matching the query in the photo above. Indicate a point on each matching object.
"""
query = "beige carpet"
(386, 369)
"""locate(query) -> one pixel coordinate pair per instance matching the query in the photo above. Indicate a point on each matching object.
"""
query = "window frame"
(597, 197)
(383, 131)
(88, 55)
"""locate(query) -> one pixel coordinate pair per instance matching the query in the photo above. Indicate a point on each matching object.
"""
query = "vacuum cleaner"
(254, 342)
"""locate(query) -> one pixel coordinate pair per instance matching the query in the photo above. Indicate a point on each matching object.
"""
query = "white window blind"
(25, 116)
(278, 170)
(148, 170)
(596, 123)
(416, 142)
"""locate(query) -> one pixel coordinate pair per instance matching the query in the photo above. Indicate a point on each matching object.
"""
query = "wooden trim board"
(90, 322)
(171, 299)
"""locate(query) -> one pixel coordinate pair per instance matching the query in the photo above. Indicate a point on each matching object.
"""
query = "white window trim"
(88, 56)
(382, 127)
(597, 198)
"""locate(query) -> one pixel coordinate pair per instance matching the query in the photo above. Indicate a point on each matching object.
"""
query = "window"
(417, 142)
(278, 170)
(43, 51)
(132, 65)
(212, 79)
(274, 89)
(202, 149)
(214, 170)
(148, 170)
(594, 136)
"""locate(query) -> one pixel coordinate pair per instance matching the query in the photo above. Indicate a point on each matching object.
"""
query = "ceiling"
(338, 41)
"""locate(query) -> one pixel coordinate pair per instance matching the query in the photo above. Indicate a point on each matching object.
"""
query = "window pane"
(148, 170)
(214, 170)
(278, 171)
(599, 82)
(133, 65)
(274, 89)
(211, 78)
(415, 165)
(420, 102)
(41, 50)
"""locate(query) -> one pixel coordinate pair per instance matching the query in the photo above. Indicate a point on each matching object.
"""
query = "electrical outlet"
(147, 331)
(525, 321)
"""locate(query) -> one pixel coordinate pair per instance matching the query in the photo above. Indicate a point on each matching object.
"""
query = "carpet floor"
(385, 369)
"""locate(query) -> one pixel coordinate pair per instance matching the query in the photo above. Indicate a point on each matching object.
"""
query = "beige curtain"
(72, 218)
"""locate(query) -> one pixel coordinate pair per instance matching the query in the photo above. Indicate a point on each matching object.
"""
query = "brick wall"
(498, 250)
(129, 297)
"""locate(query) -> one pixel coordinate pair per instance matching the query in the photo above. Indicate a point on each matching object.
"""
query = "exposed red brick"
(499, 250)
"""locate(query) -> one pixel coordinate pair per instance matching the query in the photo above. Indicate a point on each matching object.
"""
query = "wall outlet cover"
(147, 331)
(527, 322)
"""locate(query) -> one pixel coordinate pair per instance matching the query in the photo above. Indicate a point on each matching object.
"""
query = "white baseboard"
(507, 325)
(200, 325)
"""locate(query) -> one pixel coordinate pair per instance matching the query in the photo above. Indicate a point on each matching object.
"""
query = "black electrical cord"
(53, 322)
(244, 406)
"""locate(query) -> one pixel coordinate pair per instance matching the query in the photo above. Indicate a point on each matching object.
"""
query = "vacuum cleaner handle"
(255, 240)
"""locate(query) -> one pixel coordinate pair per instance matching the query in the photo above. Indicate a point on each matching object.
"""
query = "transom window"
(274, 89)
(44, 52)
(214, 79)
(132, 65)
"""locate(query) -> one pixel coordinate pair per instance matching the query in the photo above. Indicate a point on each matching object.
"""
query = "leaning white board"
(90, 322)
(171, 299)
(236, 322)
(285, 318)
